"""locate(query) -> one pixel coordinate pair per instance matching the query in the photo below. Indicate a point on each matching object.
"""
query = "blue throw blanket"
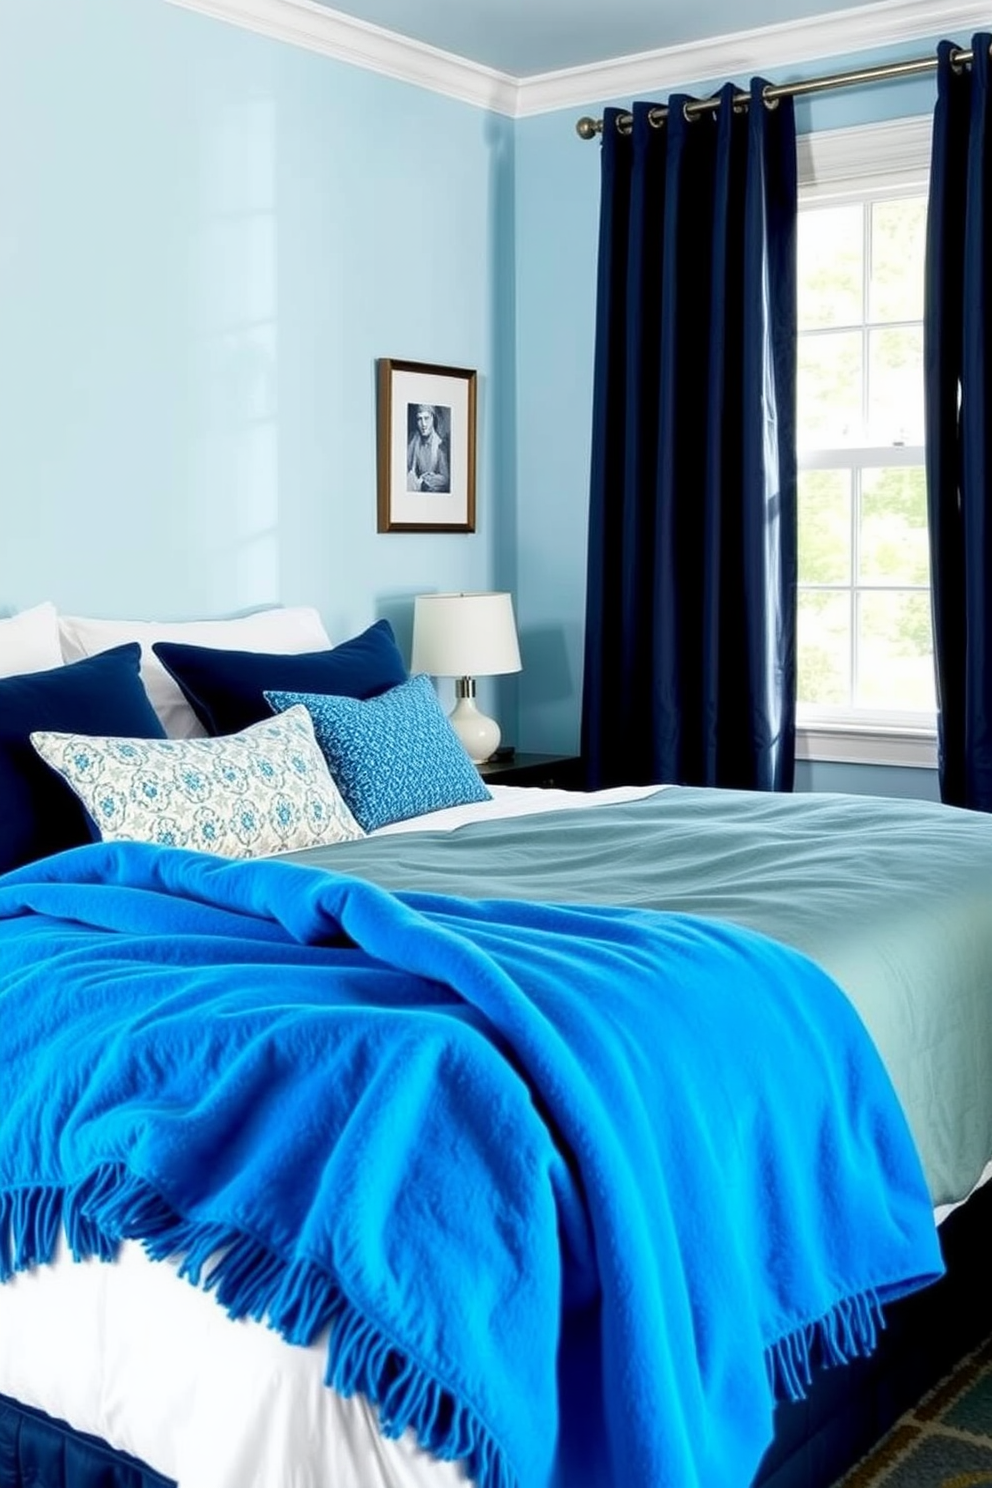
(578, 1190)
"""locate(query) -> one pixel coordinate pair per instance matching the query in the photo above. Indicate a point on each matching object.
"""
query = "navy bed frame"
(37, 1451)
(849, 1409)
(816, 1440)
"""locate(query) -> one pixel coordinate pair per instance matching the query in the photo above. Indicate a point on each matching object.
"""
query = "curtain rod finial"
(588, 129)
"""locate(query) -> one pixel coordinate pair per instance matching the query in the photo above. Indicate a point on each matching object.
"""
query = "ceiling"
(528, 37)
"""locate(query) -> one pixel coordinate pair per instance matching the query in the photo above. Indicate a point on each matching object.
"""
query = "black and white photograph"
(428, 453)
(426, 422)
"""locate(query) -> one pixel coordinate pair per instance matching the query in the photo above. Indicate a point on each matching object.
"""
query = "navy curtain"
(957, 334)
(691, 580)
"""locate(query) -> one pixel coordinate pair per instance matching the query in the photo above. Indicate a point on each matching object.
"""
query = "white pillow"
(29, 641)
(266, 790)
(291, 630)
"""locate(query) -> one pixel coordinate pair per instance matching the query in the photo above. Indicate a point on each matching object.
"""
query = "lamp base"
(479, 734)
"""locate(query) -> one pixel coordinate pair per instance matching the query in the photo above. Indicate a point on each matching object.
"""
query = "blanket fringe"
(296, 1298)
(848, 1332)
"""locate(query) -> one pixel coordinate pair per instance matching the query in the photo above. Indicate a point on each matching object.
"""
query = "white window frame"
(888, 159)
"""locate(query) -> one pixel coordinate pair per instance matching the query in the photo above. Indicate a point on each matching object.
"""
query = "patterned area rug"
(945, 1441)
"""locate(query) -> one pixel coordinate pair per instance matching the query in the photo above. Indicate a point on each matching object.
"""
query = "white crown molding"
(316, 28)
(843, 33)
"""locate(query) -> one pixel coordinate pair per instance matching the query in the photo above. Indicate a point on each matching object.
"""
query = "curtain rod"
(588, 128)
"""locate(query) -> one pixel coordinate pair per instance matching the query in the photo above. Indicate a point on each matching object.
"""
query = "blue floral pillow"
(393, 756)
(264, 790)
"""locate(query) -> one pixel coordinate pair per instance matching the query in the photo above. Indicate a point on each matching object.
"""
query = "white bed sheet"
(154, 1366)
(516, 800)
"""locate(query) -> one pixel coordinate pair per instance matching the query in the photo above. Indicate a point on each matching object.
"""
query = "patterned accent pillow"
(393, 756)
(265, 790)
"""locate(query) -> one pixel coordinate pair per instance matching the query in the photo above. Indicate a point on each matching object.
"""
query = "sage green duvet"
(893, 898)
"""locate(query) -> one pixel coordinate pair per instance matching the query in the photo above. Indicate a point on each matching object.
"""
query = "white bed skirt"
(151, 1364)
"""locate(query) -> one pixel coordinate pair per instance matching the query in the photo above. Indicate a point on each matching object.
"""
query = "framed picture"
(426, 447)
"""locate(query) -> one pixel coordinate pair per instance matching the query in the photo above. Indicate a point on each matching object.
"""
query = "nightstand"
(561, 770)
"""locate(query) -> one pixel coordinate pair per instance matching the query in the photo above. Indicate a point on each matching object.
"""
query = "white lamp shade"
(464, 635)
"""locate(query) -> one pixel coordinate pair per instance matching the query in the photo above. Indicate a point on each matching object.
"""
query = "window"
(865, 646)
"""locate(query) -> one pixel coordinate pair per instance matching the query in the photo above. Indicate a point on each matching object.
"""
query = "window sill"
(867, 744)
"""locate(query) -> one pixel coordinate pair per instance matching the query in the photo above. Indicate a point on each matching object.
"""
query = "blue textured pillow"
(393, 756)
(39, 813)
(226, 689)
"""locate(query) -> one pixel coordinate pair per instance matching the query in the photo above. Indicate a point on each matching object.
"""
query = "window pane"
(824, 647)
(898, 242)
(830, 253)
(864, 604)
(895, 651)
(824, 527)
(829, 388)
(894, 545)
(895, 386)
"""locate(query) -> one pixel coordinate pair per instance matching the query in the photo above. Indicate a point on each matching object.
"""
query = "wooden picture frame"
(426, 420)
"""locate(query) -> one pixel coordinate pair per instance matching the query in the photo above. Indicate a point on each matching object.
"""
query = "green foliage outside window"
(865, 637)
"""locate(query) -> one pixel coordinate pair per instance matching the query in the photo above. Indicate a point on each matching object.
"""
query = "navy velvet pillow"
(39, 813)
(226, 689)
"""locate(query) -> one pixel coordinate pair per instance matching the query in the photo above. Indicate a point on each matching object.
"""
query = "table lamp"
(466, 636)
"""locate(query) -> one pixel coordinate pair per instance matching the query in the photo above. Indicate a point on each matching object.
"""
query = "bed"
(892, 899)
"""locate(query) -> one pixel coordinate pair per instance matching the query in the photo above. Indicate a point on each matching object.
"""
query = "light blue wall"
(206, 240)
(557, 224)
(867, 780)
